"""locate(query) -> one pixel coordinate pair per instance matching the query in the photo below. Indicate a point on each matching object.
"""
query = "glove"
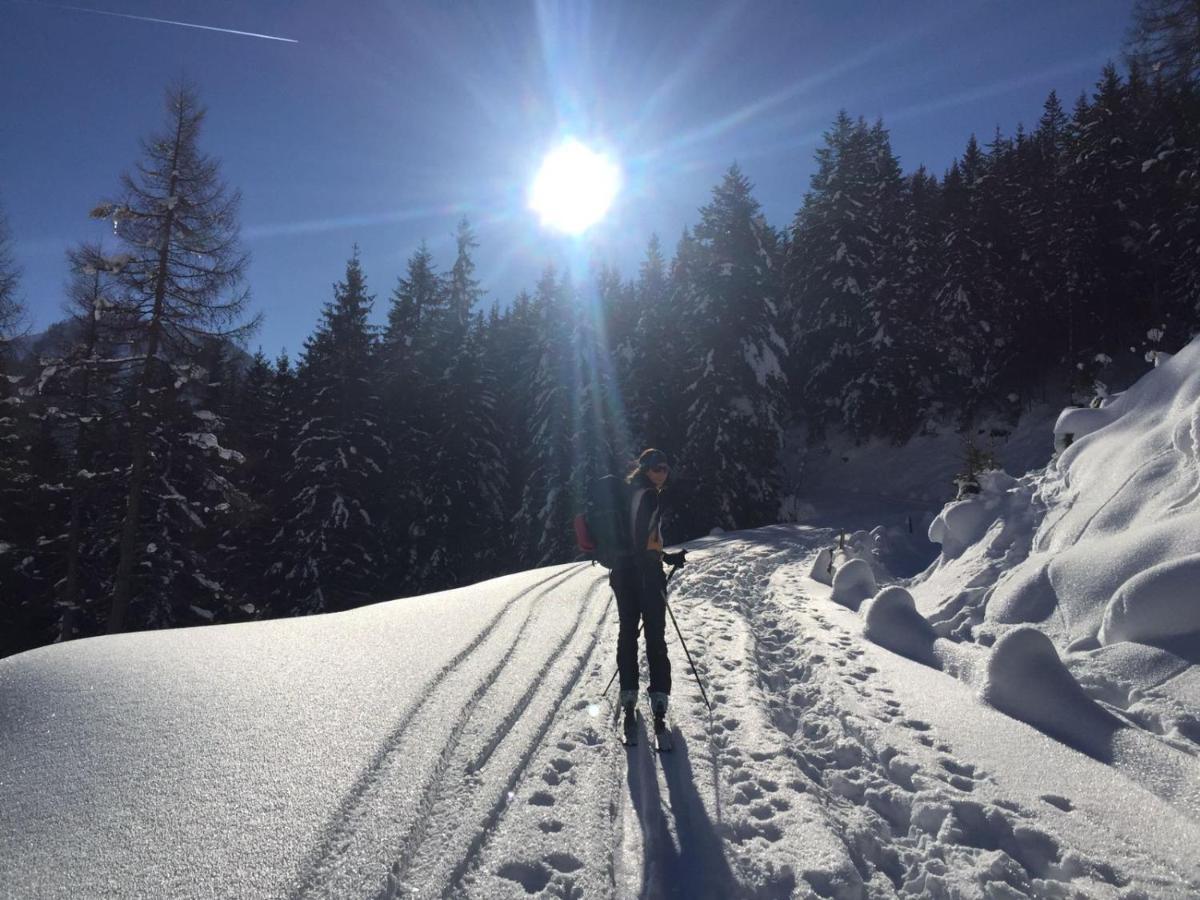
(675, 559)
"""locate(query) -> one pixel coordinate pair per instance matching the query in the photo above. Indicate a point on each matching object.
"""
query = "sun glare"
(574, 187)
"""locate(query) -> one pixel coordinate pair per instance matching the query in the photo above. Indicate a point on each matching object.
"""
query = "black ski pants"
(640, 586)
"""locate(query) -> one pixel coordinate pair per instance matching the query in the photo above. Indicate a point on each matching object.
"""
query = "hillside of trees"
(152, 476)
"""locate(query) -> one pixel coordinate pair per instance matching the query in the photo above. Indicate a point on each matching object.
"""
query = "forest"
(155, 474)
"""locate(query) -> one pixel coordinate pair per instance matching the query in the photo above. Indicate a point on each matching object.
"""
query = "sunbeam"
(996, 89)
(764, 104)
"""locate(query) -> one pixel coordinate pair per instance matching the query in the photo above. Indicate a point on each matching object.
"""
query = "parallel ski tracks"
(485, 830)
(323, 869)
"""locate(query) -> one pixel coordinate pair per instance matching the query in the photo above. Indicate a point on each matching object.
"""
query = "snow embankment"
(1084, 579)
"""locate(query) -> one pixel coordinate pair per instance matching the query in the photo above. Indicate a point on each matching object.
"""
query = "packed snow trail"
(459, 745)
(831, 767)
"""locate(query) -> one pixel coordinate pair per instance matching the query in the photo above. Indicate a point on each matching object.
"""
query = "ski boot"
(658, 706)
(629, 706)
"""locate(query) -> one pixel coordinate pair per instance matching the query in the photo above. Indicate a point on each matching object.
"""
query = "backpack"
(602, 530)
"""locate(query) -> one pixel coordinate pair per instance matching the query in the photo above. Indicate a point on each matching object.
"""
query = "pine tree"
(657, 355)
(839, 247)
(410, 361)
(178, 226)
(736, 401)
(882, 375)
(1165, 39)
(457, 485)
(21, 621)
(83, 382)
(969, 301)
(511, 355)
(543, 520)
(327, 551)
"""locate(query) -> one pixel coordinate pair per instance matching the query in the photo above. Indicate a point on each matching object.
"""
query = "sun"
(574, 187)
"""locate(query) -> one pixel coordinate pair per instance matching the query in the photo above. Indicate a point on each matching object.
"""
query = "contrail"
(119, 15)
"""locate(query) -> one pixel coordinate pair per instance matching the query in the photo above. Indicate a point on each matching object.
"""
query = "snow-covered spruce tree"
(459, 476)
(262, 427)
(23, 620)
(969, 300)
(919, 272)
(657, 356)
(327, 551)
(736, 401)
(1031, 174)
(543, 520)
(883, 377)
(177, 225)
(601, 439)
(838, 249)
(1171, 181)
(80, 378)
(511, 354)
(408, 360)
(464, 485)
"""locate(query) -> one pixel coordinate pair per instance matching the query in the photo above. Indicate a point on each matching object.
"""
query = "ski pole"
(643, 625)
(689, 659)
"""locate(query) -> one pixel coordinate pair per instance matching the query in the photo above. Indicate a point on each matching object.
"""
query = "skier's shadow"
(696, 867)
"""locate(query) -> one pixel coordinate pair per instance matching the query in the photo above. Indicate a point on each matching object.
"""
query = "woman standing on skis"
(640, 586)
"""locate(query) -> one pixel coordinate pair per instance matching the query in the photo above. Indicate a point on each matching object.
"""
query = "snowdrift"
(1094, 559)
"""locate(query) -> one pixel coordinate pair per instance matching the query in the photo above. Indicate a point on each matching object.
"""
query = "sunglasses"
(661, 467)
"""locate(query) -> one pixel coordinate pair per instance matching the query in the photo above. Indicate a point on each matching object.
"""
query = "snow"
(1019, 719)
(460, 744)
(1161, 603)
(853, 582)
(890, 619)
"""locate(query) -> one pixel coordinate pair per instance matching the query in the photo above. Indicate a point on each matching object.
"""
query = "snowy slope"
(1099, 552)
(458, 745)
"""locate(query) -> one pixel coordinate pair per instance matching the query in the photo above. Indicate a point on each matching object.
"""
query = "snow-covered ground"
(1018, 720)
(459, 745)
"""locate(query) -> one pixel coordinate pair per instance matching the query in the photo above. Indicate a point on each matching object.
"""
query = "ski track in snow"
(806, 739)
(379, 812)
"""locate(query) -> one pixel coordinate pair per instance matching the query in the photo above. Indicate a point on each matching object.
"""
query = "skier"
(640, 586)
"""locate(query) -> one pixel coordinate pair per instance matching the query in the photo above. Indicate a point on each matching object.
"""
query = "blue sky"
(386, 122)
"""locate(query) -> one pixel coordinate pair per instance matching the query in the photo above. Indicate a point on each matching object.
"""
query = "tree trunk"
(137, 439)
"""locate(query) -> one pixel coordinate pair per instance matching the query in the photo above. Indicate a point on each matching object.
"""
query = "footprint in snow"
(542, 798)
(564, 862)
(1060, 802)
(954, 767)
(532, 876)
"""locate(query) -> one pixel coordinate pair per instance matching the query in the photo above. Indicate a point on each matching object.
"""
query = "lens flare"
(574, 187)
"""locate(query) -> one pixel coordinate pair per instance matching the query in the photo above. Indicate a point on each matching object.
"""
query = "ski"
(629, 729)
(663, 740)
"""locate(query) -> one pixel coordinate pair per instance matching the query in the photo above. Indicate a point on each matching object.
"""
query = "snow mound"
(1162, 602)
(1076, 423)
(822, 567)
(891, 620)
(1026, 679)
(1100, 548)
(964, 522)
(853, 583)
